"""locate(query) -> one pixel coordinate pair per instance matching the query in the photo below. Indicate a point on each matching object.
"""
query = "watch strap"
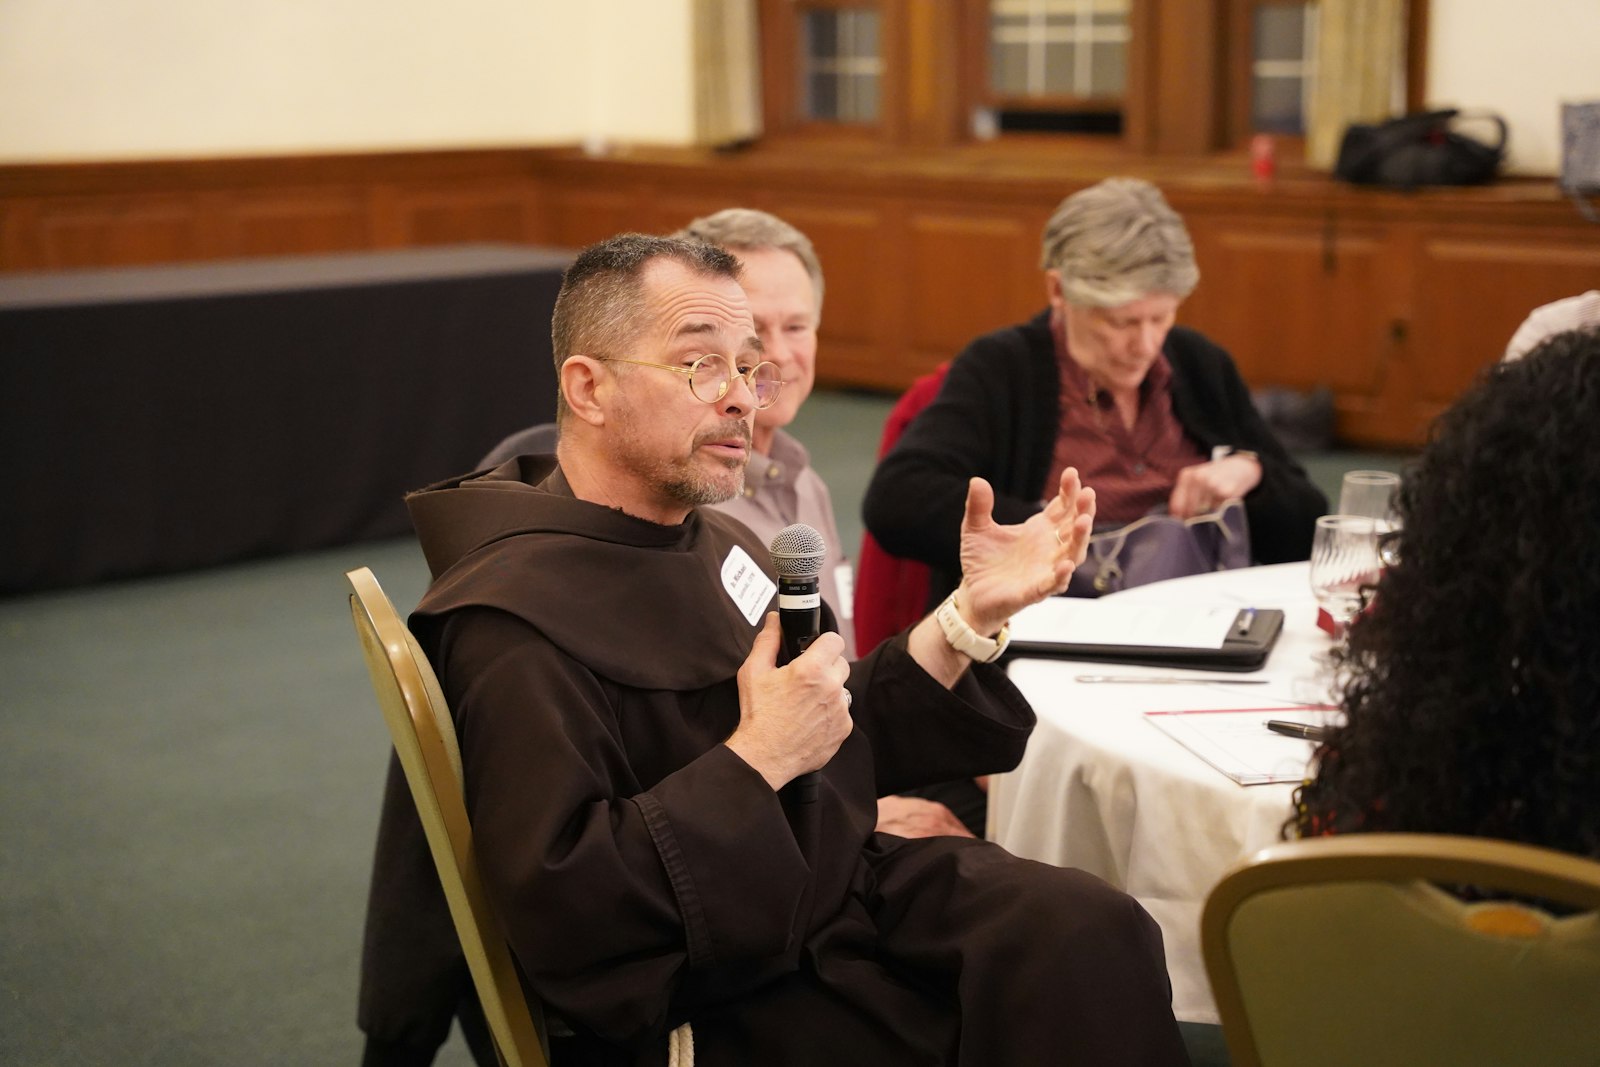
(967, 641)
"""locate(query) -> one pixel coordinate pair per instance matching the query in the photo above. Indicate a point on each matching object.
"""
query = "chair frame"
(1517, 869)
(424, 739)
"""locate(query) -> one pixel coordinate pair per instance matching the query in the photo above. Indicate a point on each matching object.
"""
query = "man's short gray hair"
(599, 308)
(743, 229)
(1116, 242)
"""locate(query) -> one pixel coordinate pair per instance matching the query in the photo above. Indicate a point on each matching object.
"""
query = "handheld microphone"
(797, 553)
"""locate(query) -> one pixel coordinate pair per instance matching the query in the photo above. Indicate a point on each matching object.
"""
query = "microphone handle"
(800, 628)
(800, 615)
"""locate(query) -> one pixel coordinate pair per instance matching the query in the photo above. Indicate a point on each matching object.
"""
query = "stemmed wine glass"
(1344, 561)
(1370, 494)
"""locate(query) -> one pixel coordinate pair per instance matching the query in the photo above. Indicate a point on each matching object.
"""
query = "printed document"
(1236, 741)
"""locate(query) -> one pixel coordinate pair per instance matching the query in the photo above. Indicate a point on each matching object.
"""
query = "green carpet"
(191, 767)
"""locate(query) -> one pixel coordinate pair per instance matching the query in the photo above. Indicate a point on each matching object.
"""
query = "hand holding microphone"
(794, 717)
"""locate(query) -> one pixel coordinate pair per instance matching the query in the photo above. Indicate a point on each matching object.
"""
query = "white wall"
(140, 79)
(1521, 60)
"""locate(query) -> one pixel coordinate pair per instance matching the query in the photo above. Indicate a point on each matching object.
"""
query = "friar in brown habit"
(631, 744)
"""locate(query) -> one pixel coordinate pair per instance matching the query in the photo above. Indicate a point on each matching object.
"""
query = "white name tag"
(845, 579)
(747, 584)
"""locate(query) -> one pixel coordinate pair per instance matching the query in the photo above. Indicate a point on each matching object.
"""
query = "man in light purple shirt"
(783, 281)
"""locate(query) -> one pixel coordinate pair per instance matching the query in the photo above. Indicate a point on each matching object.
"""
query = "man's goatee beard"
(698, 492)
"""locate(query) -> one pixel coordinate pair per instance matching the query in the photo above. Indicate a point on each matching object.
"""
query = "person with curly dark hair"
(1472, 686)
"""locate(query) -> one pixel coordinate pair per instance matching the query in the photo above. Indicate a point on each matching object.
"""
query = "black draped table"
(159, 419)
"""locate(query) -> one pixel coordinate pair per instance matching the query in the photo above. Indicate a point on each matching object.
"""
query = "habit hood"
(616, 593)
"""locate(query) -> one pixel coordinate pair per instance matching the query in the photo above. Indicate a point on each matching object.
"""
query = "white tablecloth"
(1103, 790)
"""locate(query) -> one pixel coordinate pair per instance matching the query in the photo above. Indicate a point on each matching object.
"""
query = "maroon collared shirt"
(1132, 471)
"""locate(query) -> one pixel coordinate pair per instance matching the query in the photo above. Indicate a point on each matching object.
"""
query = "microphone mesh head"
(797, 551)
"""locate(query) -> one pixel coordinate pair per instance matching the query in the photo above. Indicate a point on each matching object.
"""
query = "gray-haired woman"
(1153, 416)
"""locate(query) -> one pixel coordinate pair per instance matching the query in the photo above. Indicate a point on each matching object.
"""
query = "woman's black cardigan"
(997, 417)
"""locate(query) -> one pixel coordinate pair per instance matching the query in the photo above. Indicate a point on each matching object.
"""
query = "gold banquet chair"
(1346, 950)
(425, 740)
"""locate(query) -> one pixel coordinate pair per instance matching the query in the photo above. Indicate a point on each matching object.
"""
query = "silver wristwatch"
(964, 639)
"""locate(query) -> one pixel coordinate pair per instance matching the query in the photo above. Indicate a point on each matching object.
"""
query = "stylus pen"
(1298, 729)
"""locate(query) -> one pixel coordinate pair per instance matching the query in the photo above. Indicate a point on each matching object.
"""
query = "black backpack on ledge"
(1419, 149)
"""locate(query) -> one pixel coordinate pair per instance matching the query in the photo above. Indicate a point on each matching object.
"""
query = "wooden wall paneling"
(969, 272)
(1384, 412)
(298, 221)
(856, 243)
(670, 211)
(452, 214)
(112, 231)
(1294, 302)
(1394, 300)
(933, 59)
(579, 216)
(14, 227)
(1184, 116)
(20, 246)
(1479, 285)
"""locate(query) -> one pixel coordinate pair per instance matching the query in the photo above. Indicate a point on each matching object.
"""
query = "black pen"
(1298, 729)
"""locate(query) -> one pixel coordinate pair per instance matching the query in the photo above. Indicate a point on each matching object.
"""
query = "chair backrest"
(425, 740)
(533, 441)
(891, 593)
(1349, 950)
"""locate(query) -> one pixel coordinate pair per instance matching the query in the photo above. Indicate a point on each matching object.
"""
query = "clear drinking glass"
(1344, 561)
(1370, 494)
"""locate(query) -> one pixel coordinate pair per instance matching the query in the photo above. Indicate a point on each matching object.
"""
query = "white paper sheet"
(1081, 621)
(1236, 741)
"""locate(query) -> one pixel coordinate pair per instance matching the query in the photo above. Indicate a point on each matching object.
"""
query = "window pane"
(840, 69)
(861, 99)
(1009, 63)
(822, 97)
(863, 32)
(1109, 70)
(1278, 106)
(1060, 68)
(1280, 32)
(1282, 43)
(822, 35)
(1058, 47)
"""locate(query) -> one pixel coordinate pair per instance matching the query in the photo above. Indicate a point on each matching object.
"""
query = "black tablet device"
(1249, 641)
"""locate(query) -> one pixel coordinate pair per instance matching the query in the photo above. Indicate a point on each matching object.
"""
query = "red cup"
(1263, 157)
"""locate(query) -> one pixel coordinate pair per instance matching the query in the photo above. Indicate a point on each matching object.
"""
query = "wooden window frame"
(1187, 82)
(1240, 23)
(780, 22)
(977, 59)
(1176, 114)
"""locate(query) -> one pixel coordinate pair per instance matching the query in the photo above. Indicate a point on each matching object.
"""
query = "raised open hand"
(1006, 568)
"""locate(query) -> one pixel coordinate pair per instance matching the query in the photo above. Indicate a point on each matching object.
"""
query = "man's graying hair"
(743, 229)
(1119, 241)
(601, 302)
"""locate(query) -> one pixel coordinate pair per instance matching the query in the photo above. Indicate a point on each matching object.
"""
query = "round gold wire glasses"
(711, 376)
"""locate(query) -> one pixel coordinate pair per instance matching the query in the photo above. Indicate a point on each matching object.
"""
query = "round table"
(1101, 789)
